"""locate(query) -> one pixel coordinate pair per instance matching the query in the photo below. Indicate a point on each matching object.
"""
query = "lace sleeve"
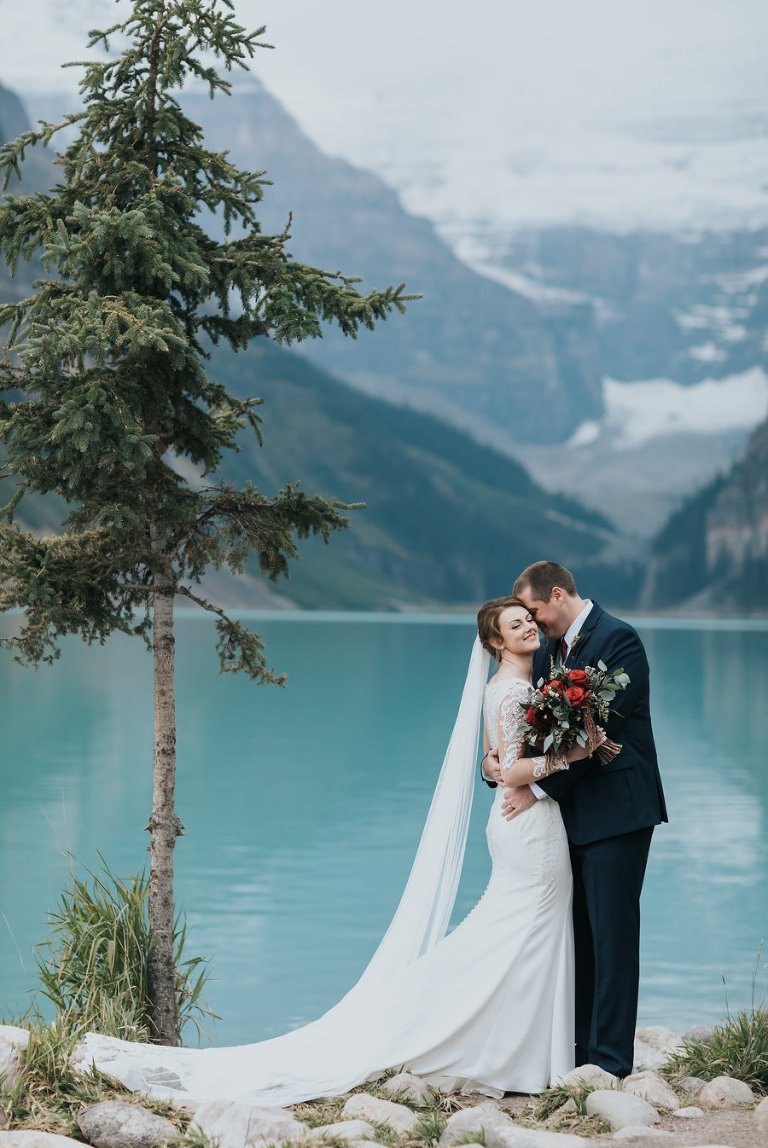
(511, 713)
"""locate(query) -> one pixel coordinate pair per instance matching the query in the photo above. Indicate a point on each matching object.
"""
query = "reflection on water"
(303, 806)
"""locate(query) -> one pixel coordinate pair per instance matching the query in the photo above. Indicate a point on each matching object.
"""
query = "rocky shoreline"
(403, 1111)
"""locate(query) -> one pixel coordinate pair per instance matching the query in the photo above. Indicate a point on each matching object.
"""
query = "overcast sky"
(521, 106)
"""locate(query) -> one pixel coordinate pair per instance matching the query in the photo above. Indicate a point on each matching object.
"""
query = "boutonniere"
(577, 639)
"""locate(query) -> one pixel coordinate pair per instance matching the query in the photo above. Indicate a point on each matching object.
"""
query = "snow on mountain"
(637, 412)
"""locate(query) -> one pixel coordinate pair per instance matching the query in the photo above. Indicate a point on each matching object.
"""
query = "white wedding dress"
(487, 1007)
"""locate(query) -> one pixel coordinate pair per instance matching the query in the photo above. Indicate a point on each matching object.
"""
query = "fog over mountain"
(639, 114)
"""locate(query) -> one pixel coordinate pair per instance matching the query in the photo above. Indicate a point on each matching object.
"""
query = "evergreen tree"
(109, 357)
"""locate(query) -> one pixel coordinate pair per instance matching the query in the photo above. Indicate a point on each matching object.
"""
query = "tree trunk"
(164, 826)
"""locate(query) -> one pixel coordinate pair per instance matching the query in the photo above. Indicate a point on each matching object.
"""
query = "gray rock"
(725, 1092)
(645, 1058)
(14, 1036)
(237, 1125)
(689, 1113)
(533, 1138)
(481, 1121)
(13, 1042)
(691, 1084)
(658, 1038)
(367, 1107)
(27, 1138)
(761, 1115)
(653, 1089)
(590, 1074)
(409, 1087)
(641, 1132)
(564, 1112)
(352, 1130)
(620, 1109)
(116, 1124)
(698, 1032)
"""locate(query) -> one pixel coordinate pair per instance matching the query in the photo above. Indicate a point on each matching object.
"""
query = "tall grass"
(94, 966)
(738, 1047)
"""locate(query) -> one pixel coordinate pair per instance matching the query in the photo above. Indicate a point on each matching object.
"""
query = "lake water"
(303, 806)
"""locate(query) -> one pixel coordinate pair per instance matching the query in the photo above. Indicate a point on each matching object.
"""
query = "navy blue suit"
(609, 812)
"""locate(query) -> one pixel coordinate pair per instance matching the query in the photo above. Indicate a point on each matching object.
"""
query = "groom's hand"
(492, 767)
(517, 799)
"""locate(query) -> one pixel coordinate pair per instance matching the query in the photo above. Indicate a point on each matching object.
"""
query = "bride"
(487, 1007)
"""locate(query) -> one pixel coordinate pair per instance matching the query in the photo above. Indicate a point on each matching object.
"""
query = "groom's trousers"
(607, 880)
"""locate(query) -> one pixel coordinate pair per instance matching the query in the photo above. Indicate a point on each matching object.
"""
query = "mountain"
(472, 351)
(447, 522)
(37, 172)
(713, 552)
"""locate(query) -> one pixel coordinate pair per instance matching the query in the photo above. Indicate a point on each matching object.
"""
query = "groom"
(609, 812)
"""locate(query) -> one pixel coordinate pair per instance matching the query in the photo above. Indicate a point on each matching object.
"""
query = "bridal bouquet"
(566, 710)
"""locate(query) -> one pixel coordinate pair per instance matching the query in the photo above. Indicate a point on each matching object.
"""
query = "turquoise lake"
(303, 806)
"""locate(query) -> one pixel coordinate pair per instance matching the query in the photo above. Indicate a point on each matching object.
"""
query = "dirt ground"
(732, 1128)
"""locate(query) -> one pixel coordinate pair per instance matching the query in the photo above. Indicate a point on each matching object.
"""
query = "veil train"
(340, 1049)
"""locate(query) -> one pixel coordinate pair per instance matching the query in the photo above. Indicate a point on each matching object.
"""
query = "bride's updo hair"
(488, 622)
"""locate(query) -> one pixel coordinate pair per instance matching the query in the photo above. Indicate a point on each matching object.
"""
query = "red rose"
(578, 677)
(534, 718)
(550, 687)
(577, 696)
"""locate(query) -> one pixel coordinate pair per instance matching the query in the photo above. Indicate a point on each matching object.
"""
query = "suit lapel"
(577, 653)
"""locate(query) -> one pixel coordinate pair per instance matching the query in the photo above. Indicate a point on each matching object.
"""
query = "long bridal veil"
(340, 1049)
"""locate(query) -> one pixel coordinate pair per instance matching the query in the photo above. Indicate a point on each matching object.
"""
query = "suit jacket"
(596, 800)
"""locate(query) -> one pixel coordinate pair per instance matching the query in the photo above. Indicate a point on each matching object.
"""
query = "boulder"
(620, 1109)
(396, 1116)
(13, 1042)
(352, 1130)
(117, 1124)
(15, 1037)
(409, 1087)
(653, 1089)
(645, 1058)
(689, 1113)
(725, 1092)
(590, 1074)
(481, 1121)
(691, 1084)
(761, 1116)
(236, 1125)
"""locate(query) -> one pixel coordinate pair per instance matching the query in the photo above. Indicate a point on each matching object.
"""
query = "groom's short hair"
(541, 578)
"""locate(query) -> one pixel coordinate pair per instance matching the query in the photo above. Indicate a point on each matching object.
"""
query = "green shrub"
(738, 1047)
(94, 966)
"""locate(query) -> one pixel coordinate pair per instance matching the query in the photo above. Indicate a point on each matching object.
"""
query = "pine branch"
(238, 648)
